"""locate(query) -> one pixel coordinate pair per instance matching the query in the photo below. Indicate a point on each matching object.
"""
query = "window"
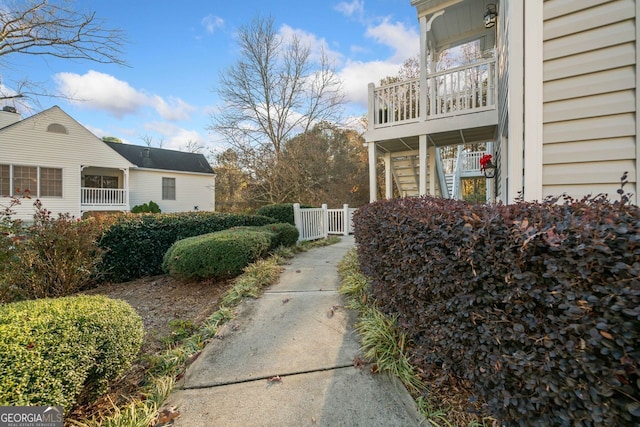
(25, 178)
(50, 182)
(56, 128)
(168, 188)
(99, 181)
(5, 180)
(35, 180)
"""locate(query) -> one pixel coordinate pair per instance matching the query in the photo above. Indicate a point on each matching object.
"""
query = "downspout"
(444, 190)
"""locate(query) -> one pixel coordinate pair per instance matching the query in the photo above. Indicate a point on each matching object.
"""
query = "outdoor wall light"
(487, 167)
(490, 16)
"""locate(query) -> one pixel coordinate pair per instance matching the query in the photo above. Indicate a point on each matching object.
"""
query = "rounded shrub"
(52, 350)
(216, 255)
(283, 234)
(134, 246)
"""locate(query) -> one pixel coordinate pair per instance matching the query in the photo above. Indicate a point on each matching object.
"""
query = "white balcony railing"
(459, 90)
(469, 162)
(103, 197)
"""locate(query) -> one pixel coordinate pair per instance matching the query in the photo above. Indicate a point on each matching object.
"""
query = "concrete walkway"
(287, 359)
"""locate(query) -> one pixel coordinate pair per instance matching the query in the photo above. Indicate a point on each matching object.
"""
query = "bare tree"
(193, 147)
(52, 28)
(148, 139)
(273, 92)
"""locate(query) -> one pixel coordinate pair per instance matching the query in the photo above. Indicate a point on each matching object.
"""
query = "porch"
(453, 102)
(462, 90)
(104, 189)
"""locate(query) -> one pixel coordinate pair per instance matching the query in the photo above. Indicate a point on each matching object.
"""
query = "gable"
(54, 138)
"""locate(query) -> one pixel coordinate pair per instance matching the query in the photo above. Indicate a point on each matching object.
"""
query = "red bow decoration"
(484, 160)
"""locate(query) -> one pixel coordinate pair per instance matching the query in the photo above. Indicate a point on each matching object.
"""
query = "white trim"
(532, 78)
(516, 100)
(172, 171)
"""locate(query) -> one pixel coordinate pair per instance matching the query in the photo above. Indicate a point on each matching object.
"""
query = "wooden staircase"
(405, 168)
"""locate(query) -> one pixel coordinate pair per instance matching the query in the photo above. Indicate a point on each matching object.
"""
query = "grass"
(165, 367)
(382, 341)
(385, 344)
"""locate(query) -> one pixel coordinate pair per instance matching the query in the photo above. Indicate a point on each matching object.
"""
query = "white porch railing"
(318, 223)
(103, 197)
(465, 89)
(469, 163)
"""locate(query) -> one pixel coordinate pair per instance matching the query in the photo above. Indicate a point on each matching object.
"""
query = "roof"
(159, 158)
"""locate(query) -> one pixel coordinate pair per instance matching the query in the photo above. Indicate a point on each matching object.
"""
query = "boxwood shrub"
(536, 305)
(135, 245)
(282, 234)
(51, 350)
(216, 255)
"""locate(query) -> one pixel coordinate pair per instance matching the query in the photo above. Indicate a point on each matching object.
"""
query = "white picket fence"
(318, 223)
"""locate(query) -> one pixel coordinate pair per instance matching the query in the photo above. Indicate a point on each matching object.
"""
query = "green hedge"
(151, 207)
(282, 212)
(135, 245)
(216, 255)
(51, 350)
(282, 234)
(536, 305)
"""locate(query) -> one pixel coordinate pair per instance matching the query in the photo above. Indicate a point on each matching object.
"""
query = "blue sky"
(176, 51)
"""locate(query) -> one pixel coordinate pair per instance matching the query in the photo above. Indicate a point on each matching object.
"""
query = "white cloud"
(211, 23)
(315, 44)
(357, 75)
(99, 91)
(404, 41)
(174, 110)
(174, 137)
(355, 7)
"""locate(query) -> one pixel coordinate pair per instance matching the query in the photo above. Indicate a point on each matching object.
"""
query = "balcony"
(104, 199)
(446, 94)
(468, 163)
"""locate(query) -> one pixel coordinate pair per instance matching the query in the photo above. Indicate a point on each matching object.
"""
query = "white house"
(60, 162)
(555, 91)
(175, 180)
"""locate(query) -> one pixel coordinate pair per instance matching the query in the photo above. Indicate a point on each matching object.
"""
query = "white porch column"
(125, 186)
(533, 101)
(515, 149)
(373, 178)
(423, 67)
(423, 174)
(388, 177)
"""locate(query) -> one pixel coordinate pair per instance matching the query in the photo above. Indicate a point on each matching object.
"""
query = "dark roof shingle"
(159, 158)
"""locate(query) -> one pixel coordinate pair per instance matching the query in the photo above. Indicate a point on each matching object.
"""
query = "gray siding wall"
(589, 96)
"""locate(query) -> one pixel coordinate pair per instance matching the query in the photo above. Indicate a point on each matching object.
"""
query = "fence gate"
(318, 223)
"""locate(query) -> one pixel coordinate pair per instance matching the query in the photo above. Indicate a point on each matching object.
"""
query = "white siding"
(28, 143)
(191, 190)
(589, 97)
